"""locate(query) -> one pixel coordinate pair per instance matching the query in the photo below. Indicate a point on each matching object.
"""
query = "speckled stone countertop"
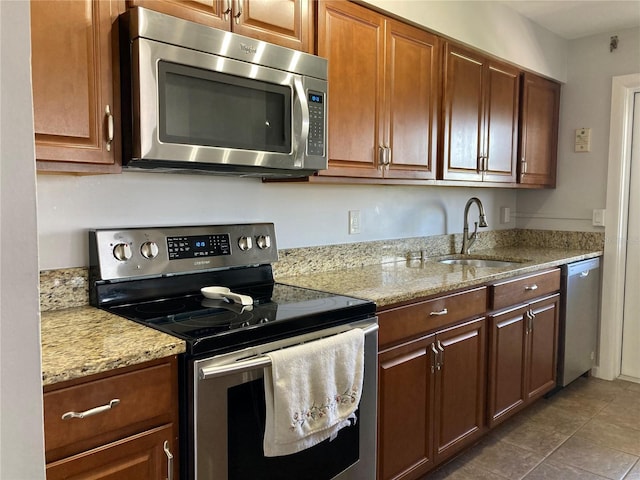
(82, 341)
(403, 281)
(79, 340)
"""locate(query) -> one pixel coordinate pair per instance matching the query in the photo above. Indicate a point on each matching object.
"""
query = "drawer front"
(522, 289)
(140, 399)
(410, 321)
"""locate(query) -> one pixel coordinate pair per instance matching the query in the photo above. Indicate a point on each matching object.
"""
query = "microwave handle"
(301, 136)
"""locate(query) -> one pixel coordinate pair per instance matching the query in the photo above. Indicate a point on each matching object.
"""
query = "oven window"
(246, 410)
(202, 107)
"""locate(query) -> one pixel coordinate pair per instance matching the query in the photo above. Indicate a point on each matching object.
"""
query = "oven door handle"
(214, 371)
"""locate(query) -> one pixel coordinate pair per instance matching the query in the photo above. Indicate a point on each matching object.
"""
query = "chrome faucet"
(467, 240)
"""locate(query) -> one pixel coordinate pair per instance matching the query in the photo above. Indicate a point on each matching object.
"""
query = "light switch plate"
(583, 140)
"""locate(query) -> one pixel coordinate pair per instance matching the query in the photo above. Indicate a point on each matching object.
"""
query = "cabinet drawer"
(522, 289)
(146, 398)
(402, 323)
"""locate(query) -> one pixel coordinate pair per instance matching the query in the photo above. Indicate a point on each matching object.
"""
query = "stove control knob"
(245, 243)
(149, 250)
(122, 251)
(263, 241)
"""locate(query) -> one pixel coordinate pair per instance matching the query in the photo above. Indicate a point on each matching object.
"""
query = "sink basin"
(479, 262)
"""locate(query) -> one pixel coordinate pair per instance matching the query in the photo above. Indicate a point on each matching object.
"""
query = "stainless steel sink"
(480, 262)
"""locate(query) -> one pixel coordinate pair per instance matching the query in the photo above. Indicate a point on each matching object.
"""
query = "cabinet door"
(138, 457)
(460, 387)
(507, 368)
(543, 339)
(405, 393)
(501, 114)
(214, 13)
(463, 118)
(73, 97)
(288, 23)
(351, 37)
(539, 131)
(411, 102)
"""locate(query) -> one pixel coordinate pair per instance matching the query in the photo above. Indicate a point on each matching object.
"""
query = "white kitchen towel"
(311, 391)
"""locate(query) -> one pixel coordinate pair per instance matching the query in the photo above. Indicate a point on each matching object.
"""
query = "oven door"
(229, 419)
(200, 110)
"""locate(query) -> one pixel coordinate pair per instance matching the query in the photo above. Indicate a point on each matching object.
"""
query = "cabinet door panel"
(460, 387)
(544, 340)
(412, 66)
(284, 22)
(206, 12)
(502, 123)
(72, 84)
(539, 131)
(462, 114)
(352, 38)
(405, 394)
(139, 457)
(506, 364)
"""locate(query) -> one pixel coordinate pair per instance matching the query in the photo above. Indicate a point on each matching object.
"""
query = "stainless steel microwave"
(205, 100)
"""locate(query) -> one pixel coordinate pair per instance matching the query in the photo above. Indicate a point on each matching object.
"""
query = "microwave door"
(200, 108)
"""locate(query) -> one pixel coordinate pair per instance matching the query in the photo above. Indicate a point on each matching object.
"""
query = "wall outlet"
(354, 222)
(505, 214)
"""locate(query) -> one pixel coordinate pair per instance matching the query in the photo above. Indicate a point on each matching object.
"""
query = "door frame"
(615, 255)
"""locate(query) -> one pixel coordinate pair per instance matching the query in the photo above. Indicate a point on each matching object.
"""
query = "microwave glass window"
(202, 107)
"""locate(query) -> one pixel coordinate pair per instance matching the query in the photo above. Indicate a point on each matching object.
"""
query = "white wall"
(585, 102)
(21, 439)
(304, 214)
(488, 26)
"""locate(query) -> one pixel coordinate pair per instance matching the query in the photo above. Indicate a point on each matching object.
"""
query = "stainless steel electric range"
(156, 277)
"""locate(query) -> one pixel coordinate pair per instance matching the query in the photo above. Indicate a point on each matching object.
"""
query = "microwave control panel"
(315, 142)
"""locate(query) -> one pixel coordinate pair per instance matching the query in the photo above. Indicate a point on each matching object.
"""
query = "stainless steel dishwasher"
(579, 319)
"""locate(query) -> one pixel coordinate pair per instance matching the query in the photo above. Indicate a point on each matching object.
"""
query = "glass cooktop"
(215, 325)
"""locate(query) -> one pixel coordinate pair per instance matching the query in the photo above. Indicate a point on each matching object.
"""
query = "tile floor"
(588, 431)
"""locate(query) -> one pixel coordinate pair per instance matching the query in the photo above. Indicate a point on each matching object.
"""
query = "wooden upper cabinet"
(351, 37)
(412, 67)
(480, 117)
(383, 93)
(288, 23)
(538, 131)
(75, 115)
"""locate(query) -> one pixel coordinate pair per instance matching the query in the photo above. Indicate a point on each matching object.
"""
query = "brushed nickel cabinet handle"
(388, 156)
(434, 361)
(238, 13)
(444, 311)
(227, 10)
(169, 455)
(109, 116)
(441, 350)
(531, 288)
(91, 411)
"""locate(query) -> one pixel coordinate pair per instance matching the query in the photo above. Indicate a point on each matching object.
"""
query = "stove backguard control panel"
(139, 252)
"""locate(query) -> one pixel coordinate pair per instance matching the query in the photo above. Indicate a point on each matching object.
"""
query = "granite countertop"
(398, 282)
(81, 341)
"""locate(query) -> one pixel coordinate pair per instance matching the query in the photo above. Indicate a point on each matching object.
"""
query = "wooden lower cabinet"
(431, 399)
(138, 457)
(117, 425)
(522, 356)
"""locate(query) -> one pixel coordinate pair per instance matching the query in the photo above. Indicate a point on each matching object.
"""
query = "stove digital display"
(195, 246)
